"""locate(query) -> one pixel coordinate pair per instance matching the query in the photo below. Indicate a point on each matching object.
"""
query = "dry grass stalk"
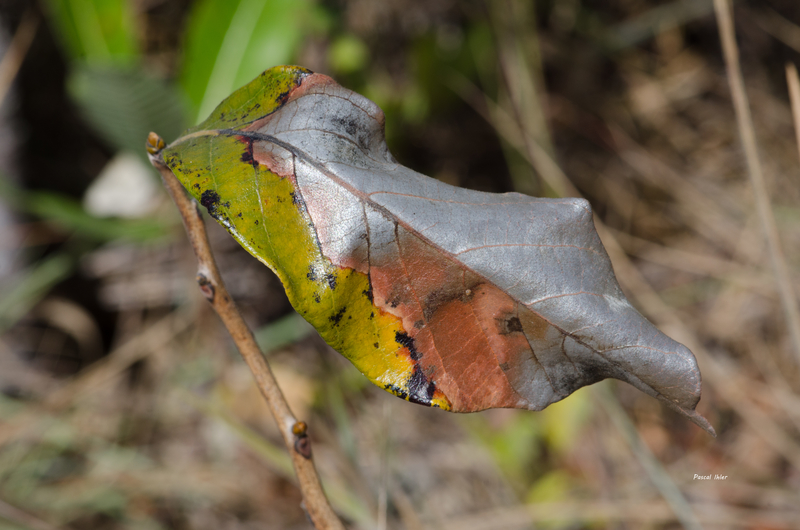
(12, 60)
(794, 94)
(210, 281)
(748, 137)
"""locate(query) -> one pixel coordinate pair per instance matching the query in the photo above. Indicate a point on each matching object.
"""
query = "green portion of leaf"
(96, 30)
(229, 43)
(257, 98)
(124, 104)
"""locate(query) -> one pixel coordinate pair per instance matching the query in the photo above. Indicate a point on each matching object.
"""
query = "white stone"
(126, 187)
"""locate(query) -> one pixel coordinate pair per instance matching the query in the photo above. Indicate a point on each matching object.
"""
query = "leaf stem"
(208, 277)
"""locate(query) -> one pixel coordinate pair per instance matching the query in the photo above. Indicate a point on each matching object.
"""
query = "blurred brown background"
(123, 404)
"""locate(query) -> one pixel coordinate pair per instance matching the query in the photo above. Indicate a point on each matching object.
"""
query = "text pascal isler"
(710, 477)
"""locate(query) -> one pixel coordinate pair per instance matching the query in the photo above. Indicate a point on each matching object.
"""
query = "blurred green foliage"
(123, 104)
(348, 54)
(282, 332)
(21, 293)
(518, 440)
(96, 31)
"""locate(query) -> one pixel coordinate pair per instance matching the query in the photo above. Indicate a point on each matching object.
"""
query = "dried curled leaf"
(448, 297)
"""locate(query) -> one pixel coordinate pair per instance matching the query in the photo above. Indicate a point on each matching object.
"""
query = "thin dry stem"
(208, 276)
(12, 60)
(747, 134)
(794, 95)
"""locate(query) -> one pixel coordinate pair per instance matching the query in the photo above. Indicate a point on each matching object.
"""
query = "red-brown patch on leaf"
(275, 158)
(247, 156)
(316, 83)
(452, 316)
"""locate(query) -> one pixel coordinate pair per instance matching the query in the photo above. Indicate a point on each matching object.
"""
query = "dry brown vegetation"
(124, 404)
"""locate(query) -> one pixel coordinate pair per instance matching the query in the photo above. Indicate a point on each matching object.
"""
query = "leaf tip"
(691, 414)
(703, 423)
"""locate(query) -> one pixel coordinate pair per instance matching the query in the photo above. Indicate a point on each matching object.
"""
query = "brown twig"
(294, 432)
(748, 137)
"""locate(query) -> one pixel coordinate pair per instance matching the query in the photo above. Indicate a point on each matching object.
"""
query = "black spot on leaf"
(210, 199)
(511, 325)
(348, 124)
(331, 279)
(403, 339)
(420, 390)
(247, 156)
(338, 316)
(396, 390)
